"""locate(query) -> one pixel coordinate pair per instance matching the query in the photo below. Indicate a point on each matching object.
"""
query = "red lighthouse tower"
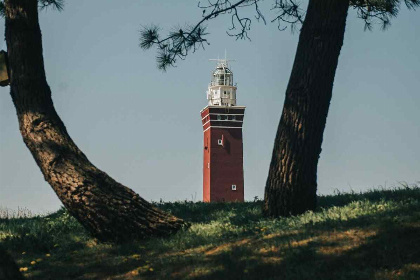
(223, 173)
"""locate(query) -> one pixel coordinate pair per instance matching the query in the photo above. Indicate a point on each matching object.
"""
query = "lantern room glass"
(222, 76)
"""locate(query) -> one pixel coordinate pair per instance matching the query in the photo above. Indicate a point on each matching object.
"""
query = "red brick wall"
(206, 169)
(226, 165)
(222, 165)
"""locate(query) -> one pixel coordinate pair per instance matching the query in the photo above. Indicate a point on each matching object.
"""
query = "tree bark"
(106, 208)
(292, 179)
(8, 268)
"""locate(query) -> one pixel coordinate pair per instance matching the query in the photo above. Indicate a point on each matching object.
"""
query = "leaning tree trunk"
(8, 268)
(109, 210)
(291, 183)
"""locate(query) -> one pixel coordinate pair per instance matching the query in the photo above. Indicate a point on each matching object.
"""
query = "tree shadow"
(383, 245)
(202, 212)
(82, 265)
(380, 245)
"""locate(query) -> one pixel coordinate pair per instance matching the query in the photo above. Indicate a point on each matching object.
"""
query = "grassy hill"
(372, 235)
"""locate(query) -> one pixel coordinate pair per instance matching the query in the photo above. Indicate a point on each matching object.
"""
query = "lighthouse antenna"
(222, 62)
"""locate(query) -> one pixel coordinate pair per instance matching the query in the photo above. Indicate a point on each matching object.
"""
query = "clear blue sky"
(143, 127)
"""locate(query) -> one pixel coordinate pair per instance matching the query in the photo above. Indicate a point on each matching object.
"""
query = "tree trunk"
(291, 183)
(109, 210)
(8, 268)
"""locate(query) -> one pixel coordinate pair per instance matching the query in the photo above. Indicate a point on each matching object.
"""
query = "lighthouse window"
(233, 187)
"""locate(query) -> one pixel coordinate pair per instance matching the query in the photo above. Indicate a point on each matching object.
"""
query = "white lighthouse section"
(221, 91)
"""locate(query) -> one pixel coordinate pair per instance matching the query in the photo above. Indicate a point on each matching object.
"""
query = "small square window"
(233, 187)
(220, 142)
(233, 117)
(219, 117)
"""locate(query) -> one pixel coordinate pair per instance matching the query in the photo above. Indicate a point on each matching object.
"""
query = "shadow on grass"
(88, 265)
(201, 212)
(42, 234)
(383, 245)
(387, 255)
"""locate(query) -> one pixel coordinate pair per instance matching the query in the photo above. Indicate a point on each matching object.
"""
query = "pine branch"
(55, 4)
(290, 13)
(181, 41)
(380, 11)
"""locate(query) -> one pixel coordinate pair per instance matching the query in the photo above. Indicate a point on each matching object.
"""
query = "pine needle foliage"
(42, 5)
(55, 4)
(288, 13)
(380, 11)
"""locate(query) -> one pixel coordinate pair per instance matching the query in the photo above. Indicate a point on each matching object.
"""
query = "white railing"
(220, 83)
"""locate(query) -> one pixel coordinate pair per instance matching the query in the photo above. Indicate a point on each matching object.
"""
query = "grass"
(372, 235)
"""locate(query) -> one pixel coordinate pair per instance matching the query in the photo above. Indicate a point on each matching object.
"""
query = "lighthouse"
(222, 119)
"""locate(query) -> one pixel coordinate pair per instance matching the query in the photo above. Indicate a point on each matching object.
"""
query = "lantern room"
(221, 91)
(222, 76)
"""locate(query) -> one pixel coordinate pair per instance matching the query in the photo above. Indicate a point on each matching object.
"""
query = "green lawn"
(373, 235)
